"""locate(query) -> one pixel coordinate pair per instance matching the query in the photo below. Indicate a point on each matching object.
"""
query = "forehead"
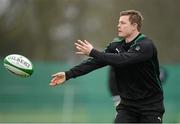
(124, 18)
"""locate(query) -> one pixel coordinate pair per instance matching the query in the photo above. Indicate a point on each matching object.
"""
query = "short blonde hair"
(134, 17)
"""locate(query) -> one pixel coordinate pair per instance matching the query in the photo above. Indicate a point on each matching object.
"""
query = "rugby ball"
(19, 65)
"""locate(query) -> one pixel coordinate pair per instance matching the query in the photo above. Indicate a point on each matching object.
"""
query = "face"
(125, 28)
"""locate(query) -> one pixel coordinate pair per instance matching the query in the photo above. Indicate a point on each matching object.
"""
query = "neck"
(131, 37)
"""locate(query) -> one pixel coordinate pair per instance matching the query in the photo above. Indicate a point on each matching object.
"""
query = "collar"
(132, 42)
(138, 38)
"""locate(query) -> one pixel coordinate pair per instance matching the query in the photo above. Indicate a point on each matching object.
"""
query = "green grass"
(48, 116)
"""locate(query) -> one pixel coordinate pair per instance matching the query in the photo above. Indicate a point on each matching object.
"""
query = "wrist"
(68, 75)
(93, 52)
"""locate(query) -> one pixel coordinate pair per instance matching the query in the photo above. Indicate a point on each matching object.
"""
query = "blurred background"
(45, 32)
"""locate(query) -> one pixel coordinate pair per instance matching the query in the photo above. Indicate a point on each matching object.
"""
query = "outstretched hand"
(58, 78)
(84, 48)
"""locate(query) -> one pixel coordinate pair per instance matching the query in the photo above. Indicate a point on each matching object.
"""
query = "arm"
(84, 68)
(81, 69)
(138, 53)
(87, 65)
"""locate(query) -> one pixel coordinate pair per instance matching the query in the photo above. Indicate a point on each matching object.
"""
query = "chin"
(120, 35)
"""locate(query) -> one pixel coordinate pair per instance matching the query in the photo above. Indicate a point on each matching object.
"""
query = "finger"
(79, 49)
(78, 45)
(86, 42)
(54, 80)
(81, 43)
(57, 74)
(52, 84)
(54, 75)
(80, 53)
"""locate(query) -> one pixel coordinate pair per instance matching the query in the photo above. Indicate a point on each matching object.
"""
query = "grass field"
(49, 116)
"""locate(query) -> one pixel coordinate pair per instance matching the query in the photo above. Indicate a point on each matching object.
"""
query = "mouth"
(119, 30)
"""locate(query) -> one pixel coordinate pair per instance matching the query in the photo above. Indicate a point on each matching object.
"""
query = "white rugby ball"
(19, 65)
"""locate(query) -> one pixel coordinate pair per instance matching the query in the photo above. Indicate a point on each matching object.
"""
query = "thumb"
(57, 74)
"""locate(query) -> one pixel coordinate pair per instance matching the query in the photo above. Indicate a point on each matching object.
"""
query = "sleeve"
(86, 66)
(138, 53)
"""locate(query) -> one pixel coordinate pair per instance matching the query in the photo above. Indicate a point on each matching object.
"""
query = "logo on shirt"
(137, 48)
(159, 119)
(117, 50)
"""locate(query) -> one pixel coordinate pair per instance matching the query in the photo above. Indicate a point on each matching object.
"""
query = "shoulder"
(115, 41)
(145, 44)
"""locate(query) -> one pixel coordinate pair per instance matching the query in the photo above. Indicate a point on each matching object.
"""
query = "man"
(133, 57)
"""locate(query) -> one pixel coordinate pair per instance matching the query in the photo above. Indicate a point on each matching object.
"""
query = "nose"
(118, 25)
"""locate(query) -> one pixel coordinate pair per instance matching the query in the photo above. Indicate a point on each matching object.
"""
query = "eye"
(123, 22)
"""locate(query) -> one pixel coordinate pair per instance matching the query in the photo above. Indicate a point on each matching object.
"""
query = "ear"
(135, 25)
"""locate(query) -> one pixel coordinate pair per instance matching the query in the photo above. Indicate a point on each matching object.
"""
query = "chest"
(120, 48)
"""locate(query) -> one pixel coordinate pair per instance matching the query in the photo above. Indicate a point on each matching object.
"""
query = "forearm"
(83, 68)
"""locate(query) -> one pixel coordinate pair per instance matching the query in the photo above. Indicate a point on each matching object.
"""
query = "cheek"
(128, 29)
(125, 29)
